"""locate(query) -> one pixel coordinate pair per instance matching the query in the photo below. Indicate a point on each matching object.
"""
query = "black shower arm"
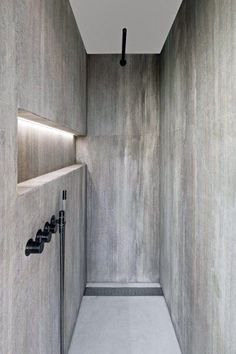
(124, 36)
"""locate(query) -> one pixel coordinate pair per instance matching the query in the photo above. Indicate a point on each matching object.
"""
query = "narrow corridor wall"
(121, 151)
(198, 176)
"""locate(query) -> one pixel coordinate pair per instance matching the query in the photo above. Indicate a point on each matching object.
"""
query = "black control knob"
(45, 235)
(34, 247)
(53, 225)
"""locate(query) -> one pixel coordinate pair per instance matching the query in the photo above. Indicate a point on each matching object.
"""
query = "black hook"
(124, 35)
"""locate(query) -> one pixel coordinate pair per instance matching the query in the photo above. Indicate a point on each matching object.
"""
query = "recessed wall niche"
(43, 146)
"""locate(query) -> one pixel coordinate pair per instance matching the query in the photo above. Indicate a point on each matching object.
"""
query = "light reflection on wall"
(43, 127)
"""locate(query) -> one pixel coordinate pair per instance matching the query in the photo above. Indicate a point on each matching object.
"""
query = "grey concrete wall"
(40, 40)
(7, 165)
(198, 169)
(51, 67)
(35, 279)
(121, 151)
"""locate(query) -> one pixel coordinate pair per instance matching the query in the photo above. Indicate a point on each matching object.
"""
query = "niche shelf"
(38, 182)
(43, 146)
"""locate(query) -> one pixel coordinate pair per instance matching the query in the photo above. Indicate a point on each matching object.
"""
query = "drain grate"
(123, 292)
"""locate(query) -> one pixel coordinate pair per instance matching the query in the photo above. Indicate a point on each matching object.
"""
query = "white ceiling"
(101, 21)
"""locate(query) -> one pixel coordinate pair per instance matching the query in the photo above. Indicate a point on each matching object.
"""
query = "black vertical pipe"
(62, 272)
(62, 223)
(124, 35)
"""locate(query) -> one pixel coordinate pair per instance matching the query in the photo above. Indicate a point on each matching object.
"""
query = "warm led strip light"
(43, 127)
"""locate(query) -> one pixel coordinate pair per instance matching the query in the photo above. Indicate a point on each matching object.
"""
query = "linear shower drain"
(123, 291)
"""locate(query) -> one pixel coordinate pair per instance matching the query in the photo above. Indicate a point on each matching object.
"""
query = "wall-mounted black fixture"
(124, 36)
(37, 246)
(45, 235)
(34, 247)
(53, 225)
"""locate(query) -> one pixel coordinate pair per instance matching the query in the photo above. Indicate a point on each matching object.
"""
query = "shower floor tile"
(124, 325)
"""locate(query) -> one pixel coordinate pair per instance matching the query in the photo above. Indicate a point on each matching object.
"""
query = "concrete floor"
(124, 325)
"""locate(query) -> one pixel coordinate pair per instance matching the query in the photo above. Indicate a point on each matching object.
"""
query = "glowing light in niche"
(43, 127)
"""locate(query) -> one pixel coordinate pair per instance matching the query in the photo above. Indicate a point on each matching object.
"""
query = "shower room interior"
(118, 166)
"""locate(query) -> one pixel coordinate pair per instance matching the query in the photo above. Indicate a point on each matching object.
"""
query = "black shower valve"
(47, 231)
(45, 235)
(53, 225)
(34, 247)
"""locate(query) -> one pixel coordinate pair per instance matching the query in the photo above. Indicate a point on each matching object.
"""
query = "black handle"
(45, 235)
(34, 247)
(53, 225)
